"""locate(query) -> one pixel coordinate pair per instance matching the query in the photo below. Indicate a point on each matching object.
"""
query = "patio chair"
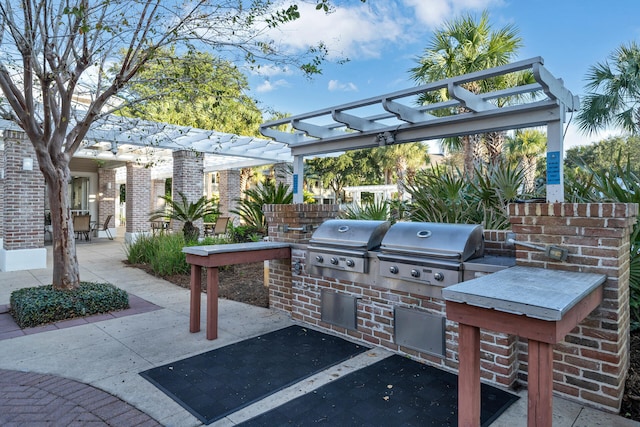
(220, 228)
(82, 226)
(105, 227)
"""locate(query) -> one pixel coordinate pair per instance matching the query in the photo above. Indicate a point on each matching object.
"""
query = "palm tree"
(250, 207)
(525, 147)
(401, 160)
(613, 97)
(187, 212)
(464, 46)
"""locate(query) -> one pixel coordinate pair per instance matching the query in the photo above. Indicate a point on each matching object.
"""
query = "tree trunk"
(472, 154)
(401, 166)
(494, 142)
(66, 272)
(529, 183)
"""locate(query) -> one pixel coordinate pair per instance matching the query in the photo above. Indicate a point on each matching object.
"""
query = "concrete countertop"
(534, 292)
(233, 247)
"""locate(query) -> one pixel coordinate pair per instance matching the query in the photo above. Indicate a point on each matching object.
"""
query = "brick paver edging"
(28, 398)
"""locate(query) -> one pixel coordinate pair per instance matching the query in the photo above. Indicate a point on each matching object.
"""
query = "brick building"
(142, 158)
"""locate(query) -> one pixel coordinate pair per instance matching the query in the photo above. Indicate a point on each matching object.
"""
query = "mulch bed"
(242, 282)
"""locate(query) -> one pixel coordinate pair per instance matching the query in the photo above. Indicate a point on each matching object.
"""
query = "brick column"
(23, 207)
(590, 366)
(188, 179)
(283, 273)
(157, 190)
(284, 174)
(108, 196)
(2, 197)
(229, 188)
(138, 203)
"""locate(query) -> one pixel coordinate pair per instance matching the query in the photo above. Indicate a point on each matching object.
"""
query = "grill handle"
(553, 252)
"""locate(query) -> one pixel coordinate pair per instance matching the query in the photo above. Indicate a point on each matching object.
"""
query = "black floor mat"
(214, 384)
(393, 392)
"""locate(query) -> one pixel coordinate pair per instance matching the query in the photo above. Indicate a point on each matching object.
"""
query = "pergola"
(399, 117)
(117, 140)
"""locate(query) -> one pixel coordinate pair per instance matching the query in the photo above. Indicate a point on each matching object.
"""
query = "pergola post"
(298, 179)
(555, 163)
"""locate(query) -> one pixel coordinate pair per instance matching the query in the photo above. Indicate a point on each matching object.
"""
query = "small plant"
(369, 211)
(250, 208)
(187, 212)
(43, 304)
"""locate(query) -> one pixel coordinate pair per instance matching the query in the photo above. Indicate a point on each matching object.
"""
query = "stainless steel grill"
(428, 253)
(419, 258)
(344, 245)
(416, 257)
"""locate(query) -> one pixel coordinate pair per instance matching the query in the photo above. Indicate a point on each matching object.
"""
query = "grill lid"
(429, 239)
(349, 233)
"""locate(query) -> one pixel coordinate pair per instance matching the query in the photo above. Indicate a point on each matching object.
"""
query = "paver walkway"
(27, 398)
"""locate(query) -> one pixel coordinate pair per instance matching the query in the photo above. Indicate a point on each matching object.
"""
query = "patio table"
(538, 304)
(213, 256)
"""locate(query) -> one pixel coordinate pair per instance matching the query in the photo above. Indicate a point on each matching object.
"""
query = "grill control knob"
(334, 260)
(350, 263)
(439, 277)
(415, 273)
(393, 269)
(319, 258)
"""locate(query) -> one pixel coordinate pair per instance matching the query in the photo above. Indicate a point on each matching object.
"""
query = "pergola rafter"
(121, 139)
(398, 117)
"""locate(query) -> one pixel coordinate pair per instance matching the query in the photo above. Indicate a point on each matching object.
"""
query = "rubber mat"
(393, 392)
(219, 382)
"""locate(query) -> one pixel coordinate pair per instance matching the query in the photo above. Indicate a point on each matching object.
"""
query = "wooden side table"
(538, 304)
(214, 256)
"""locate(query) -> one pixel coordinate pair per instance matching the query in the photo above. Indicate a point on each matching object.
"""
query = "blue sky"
(383, 38)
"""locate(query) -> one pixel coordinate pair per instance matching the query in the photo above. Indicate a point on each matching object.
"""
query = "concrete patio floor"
(109, 353)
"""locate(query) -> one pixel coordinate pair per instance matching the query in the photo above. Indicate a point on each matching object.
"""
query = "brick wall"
(282, 273)
(24, 197)
(157, 190)
(138, 203)
(2, 197)
(188, 179)
(591, 364)
(108, 195)
(229, 189)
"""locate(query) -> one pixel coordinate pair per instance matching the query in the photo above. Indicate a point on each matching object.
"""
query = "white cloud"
(361, 31)
(435, 12)
(269, 86)
(350, 31)
(336, 85)
(270, 70)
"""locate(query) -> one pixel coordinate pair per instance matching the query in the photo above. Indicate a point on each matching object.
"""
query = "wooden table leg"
(469, 376)
(212, 303)
(540, 384)
(196, 289)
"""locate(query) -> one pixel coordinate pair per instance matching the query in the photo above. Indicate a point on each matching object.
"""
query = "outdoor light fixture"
(27, 164)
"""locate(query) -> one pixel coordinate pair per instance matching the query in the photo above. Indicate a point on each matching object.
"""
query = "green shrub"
(370, 211)
(43, 304)
(245, 233)
(163, 252)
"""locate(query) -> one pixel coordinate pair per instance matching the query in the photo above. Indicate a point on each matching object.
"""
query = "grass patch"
(43, 304)
(163, 252)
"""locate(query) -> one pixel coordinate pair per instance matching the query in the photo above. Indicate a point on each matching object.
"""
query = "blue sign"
(295, 183)
(553, 167)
